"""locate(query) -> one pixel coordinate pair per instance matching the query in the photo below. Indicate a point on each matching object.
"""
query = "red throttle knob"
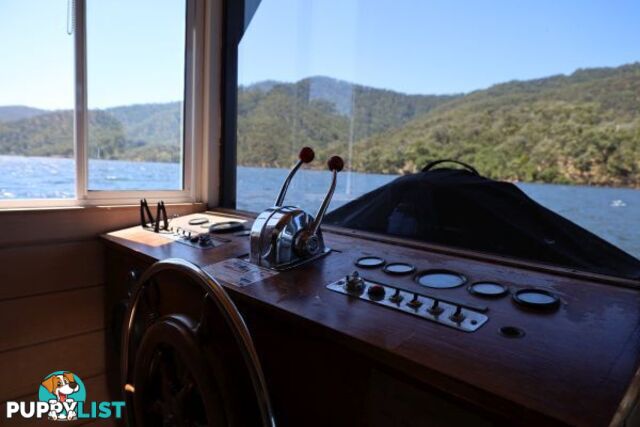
(335, 163)
(306, 155)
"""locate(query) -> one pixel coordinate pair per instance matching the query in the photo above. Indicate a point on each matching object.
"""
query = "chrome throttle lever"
(306, 155)
(307, 241)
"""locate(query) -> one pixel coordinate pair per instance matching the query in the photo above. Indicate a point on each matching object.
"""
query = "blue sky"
(414, 46)
(135, 52)
(447, 46)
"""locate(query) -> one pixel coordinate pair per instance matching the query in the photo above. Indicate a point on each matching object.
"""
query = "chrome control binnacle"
(306, 155)
(284, 237)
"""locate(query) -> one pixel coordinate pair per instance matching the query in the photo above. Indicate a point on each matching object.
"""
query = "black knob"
(376, 292)
(335, 163)
(355, 283)
(306, 155)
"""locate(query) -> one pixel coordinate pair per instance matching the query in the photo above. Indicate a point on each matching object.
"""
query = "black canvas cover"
(457, 207)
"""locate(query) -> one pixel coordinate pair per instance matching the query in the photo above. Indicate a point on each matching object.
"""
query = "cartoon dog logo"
(62, 384)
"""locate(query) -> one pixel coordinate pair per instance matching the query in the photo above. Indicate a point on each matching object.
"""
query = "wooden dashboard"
(334, 359)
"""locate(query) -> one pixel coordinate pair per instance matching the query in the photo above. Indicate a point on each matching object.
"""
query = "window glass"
(541, 94)
(135, 78)
(36, 101)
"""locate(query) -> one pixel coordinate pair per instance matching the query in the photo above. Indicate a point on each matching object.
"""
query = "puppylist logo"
(62, 397)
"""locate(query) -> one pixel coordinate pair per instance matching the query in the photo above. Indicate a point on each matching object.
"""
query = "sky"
(135, 52)
(136, 47)
(436, 46)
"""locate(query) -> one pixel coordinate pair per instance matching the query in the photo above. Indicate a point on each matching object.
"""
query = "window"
(96, 104)
(135, 91)
(540, 94)
(36, 101)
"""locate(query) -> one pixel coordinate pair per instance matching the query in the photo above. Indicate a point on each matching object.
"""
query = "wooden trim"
(83, 355)
(232, 30)
(212, 113)
(44, 268)
(31, 226)
(81, 111)
(47, 318)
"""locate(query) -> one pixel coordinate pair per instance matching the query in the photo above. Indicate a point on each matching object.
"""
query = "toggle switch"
(415, 303)
(435, 308)
(396, 297)
(457, 317)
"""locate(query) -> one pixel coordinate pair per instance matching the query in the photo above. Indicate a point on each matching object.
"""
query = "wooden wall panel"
(33, 270)
(33, 320)
(83, 354)
(52, 269)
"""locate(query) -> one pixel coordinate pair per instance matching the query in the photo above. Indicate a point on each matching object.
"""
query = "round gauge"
(536, 298)
(198, 221)
(398, 268)
(440, 279)
(226, 227)
(488, 289)
(369, 262)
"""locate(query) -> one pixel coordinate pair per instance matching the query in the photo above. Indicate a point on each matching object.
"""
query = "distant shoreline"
(321, 169)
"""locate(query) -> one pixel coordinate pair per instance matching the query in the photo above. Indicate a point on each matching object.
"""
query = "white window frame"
(192, 148)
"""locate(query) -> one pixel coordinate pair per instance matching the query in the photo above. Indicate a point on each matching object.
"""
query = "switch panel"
(192, 238)
(447, 313)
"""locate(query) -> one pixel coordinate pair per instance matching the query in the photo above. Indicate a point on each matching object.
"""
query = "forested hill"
(578, 128)
(275, 120)
(583, 128)
(134, 132)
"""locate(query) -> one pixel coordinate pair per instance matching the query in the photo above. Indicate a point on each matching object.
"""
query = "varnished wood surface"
(46, 268)
(29, 321)
(83, 354)
(572, 366)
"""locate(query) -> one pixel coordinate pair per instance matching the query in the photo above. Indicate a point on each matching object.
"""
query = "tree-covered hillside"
(581, 128)
(147, 132)
(10, 113)
(275, 120)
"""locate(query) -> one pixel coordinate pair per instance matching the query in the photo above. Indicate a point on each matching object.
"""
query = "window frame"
(234, 25)
(194, 99)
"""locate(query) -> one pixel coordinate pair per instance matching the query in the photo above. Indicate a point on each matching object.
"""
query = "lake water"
(611, 213)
